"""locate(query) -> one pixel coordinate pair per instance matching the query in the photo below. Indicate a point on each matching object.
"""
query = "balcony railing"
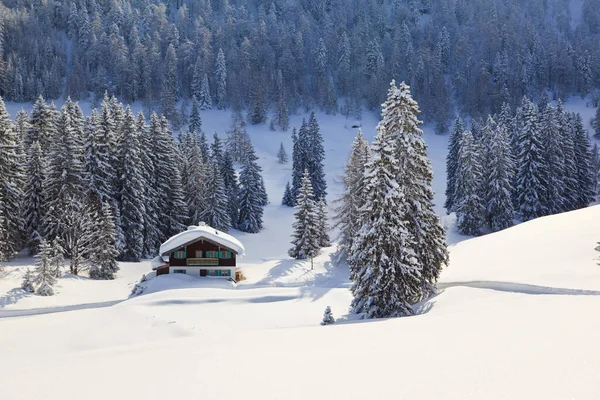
(207, 262)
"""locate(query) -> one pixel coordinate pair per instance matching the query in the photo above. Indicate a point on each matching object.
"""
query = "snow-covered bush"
(328, 317)
(27, 284)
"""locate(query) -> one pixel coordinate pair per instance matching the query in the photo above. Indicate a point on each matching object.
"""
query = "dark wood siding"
(162, 270)
(203, 245)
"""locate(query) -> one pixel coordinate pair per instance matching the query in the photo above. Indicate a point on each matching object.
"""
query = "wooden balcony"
(207, 262)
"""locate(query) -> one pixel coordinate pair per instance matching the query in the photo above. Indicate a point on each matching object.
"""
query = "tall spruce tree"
(315, 157)
(384, 269)
(103, 252)
(204, 97)
(347, 208)
(323, 225)
(399, 118)
(583, 163)
(251, 196)
(452, 163)
(197, 179)
(596, 123)
(553, 158)
(33, 205)
(11, 186)
(221, 79)
(216, 213)
(282, 157)
(305, 239)
(569, 187)
(195, 123)
(469, 204)
(232, 188)
(44, 275)
(499, 175)
(531, 167)
(132, 200)
(41, 125)
(287, 199)
(298, 158)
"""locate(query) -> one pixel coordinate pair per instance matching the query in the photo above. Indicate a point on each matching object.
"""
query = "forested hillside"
(457, 55)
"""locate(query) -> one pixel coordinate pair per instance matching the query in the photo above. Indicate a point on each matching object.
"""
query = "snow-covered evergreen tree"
(569, 187)
(204, 97)
(305, 239)
(499, 174)
(316, 157)
(469, 204)
(41, 125)
(385, 272)
(323, 226)
(170, 86)
(328, 318)
(531, 167)
(132, 200)
(57, 257)
(11, 187)
(216, 213)
(197, 179)
(399, 118)
(238, 142)
(251, 196)
(103, 252)
(288, 199)
(348, 206)
(216, 150)
(298, 158)
(452, 163)
(44, 275)
(282, 117)
(195, 124)
(583, 163)
(553, 158)
(232, 188)
(282, 156)
(221, 79)
(27, 283)
(33, 202)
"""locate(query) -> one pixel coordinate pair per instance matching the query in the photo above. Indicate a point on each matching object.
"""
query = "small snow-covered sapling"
(328, 317)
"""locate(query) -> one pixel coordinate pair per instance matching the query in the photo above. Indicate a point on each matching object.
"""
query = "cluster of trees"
(535, 162)
(111, 186)
(389, 234)
(308, 155)
(49, 264)
(336, 54)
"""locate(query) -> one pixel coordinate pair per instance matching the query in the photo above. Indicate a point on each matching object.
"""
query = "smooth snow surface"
(202, 231)
(516, 317)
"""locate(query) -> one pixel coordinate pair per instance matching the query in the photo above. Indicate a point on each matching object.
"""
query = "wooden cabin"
(199, 251)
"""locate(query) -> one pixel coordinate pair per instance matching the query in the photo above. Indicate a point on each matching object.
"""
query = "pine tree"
(288, 199)
(531, 168)
(596, 168)
(221, 79)
(553, 158)
(44, 276)
(41, 125)
(316, 157)
(33, 202)
(596, 123)
(216, 149)
(298, 158)
(195, 125)
(385, 273)
(452, 163)
(257, 114)
(470, 207)
(347, 211)
(197, 179)
(583, 163)
(282, 156)
(57, 258)
(305, 242)
(251, 196)
(282, 116)
(238, 142)
(204, 98)
(328, 317)
(216, 213)
(569, 186)
(323, 227)
(399, 117)
(499, 177)
(27, 283)
(132, 201)
(103, 255)
(232, 188)
(169, 95)
(11, 187)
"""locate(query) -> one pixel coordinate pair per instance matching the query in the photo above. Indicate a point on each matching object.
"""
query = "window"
(212, 254)
(179, 255)
(225, 272)
(179, 271)
(198, 253)
(225, 254)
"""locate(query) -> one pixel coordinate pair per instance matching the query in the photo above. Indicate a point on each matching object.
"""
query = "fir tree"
(282, 156)
(531, 168)
(305, 242)
(197, 179)
(470, 207)
(216, 149)
(237, 142)
(103, 254)
(44, 275)
(33, 206)
(216, 213)
(11, 186)
(251, 196)
(385, 273)
(328, 317)
(288, 199)
(316, 157)
(348, 206)
(499, 177)
(221, 79)
(204, 98)
(399, 118)
(232, 188)
(282, 117)
(169, 95)
(583, 163)
(132, 201)
(323, 226)
(452, 164)
(27, 283)
(195, 125)
(41, 125)
(298, 159)
(553, 158)
(596, 123)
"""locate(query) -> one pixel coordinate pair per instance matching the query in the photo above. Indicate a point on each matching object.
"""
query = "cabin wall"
(204, 246)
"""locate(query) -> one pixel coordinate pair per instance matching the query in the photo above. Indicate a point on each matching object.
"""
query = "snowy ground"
(516, 317)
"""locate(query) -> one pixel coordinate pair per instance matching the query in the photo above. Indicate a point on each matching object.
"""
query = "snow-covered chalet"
(199, 251)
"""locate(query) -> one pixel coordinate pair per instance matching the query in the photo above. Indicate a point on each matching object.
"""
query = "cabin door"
(202, 272)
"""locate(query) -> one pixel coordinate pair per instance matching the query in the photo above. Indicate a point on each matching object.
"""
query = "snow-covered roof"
(194, 233)
(158, 262)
